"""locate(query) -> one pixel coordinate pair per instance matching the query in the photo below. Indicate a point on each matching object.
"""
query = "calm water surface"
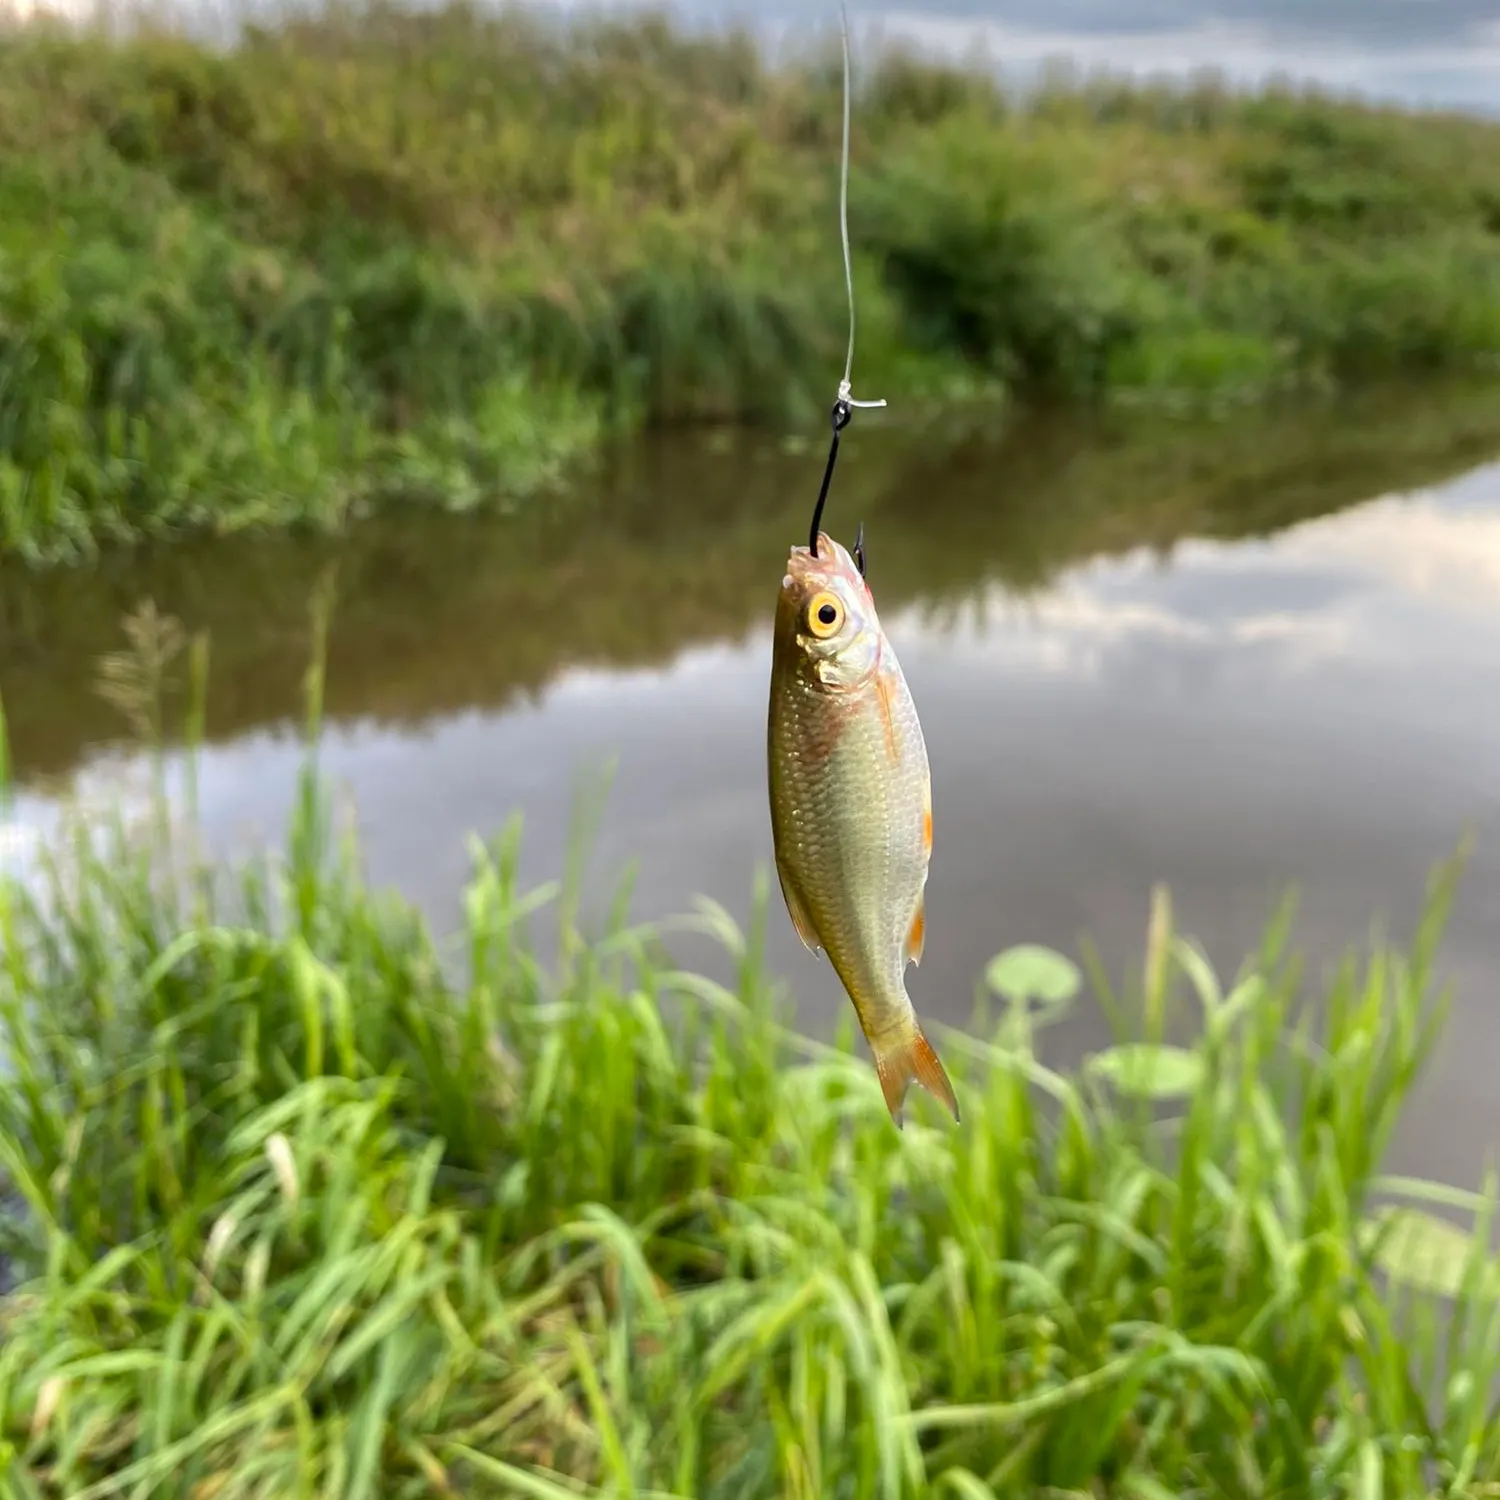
(1228, 657)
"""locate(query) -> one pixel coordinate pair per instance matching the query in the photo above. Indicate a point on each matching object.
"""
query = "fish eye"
(825, 613)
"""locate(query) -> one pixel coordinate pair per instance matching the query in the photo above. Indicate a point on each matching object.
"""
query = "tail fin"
(899, 1061)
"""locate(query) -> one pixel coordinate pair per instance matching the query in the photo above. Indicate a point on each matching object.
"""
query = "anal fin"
(797, 912)
(916, 934)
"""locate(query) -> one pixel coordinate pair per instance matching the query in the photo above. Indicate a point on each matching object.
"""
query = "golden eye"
(825, 613)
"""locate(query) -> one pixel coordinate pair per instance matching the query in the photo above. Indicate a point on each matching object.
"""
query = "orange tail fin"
(911, 1057)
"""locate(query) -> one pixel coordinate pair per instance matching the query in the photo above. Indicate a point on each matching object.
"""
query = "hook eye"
(859, 549)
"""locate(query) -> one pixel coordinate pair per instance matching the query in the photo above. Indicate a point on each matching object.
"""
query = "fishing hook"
(840, 416)
(843, 409)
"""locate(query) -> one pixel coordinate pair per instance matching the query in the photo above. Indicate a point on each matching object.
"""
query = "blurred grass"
(368, 252)
(291, 1210)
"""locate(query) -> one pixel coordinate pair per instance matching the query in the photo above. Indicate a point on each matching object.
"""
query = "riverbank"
(271, 1186)
(438, 256)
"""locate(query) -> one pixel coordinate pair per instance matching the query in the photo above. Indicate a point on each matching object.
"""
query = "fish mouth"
(833, 560)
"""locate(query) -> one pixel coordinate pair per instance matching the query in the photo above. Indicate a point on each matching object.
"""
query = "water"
(1227, 657)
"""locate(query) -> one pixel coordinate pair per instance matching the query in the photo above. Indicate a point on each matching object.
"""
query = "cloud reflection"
(1405, 587)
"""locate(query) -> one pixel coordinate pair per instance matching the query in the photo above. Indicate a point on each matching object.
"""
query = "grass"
(367, 253)
(298, 1201)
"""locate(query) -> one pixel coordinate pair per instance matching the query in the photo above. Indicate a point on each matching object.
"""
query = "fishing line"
(844, 403)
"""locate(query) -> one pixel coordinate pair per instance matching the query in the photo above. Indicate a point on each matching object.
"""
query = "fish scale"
(851, 806)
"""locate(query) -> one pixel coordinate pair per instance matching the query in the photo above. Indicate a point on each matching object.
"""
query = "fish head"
(825, 617)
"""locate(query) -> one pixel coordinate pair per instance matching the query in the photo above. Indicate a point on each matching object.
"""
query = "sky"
(1439, 53)
(1430, 52)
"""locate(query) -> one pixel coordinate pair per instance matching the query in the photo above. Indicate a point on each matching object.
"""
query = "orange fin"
(898, 1063)
(795, 911)
(916, 935)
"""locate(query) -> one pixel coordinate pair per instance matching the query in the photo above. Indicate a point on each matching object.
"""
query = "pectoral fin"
(797, 912)
(884, 688)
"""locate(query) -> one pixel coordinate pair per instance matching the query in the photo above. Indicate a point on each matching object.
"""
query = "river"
(1225, 655)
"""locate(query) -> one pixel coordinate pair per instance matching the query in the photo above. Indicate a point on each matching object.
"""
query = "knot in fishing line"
(845, 401)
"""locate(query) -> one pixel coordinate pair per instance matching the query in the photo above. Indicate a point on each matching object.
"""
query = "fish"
(851, 805)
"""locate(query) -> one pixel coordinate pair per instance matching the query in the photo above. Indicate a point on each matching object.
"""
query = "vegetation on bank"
(297, 1201)
(371, 253)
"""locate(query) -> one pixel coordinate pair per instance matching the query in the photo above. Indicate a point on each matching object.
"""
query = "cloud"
(1444, 52)
(1363, 23)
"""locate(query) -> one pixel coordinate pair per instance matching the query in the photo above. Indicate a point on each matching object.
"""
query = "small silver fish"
(851, 806)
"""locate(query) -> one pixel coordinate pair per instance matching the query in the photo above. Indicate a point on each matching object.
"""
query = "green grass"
(366, 254)
(301, 1202)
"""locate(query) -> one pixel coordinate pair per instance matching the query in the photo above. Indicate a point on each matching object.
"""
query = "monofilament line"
(844, 403)
(844, 385)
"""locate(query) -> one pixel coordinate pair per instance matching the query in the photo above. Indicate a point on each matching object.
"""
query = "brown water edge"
(679, 543)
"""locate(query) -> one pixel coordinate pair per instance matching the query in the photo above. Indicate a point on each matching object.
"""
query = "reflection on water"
(1226, 660)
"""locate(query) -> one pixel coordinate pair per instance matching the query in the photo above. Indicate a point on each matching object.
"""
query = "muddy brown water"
(1227, 655)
